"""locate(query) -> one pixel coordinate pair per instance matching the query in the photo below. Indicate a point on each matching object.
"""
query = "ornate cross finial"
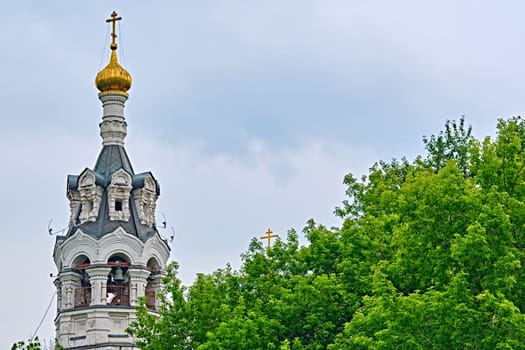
(113, 19)
(269, 236)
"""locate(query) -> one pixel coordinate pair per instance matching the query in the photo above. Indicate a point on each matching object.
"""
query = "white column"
(69, 281)
(98, 276)
(138, 279)
(156, 284)
(58, 286)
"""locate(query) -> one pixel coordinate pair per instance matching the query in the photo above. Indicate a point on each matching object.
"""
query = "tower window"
(118, 205)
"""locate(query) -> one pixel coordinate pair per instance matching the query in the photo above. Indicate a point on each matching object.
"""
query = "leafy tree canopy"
(429, 255)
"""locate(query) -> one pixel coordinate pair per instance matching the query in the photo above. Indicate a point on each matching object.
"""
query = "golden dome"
(113, 78)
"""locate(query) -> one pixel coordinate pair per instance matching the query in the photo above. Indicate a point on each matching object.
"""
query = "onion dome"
(113, 78)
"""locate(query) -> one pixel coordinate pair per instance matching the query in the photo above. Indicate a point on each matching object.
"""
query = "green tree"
(429, 255)
(170, 330)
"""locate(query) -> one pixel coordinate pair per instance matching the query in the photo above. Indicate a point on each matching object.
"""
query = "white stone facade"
(86, 317)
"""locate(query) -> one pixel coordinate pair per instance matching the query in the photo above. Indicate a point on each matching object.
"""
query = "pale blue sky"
(248, 113)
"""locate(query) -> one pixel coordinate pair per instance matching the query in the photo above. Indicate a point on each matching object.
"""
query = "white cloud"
(216, 202)
(249, 114)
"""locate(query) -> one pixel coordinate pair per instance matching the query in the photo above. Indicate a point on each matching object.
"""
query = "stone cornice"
(138, 274)
(83, 309)
(70, 275)
(98, 271)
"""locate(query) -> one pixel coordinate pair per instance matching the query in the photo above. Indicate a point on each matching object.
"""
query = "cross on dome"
(114, 18)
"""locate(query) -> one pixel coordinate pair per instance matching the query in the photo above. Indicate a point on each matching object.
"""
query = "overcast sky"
(249, 113)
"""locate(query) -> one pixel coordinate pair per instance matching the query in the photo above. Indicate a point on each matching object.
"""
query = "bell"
(118, 276)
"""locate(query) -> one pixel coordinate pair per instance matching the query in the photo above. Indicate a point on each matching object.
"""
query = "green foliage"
(452, 143)
(34, 345)
(31, 345)
(429, 256)
(169, 331)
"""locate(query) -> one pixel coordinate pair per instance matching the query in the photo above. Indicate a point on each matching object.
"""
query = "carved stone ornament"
(113, 131)
(119, 191)
(74, 205)
(90, 197)
(146, 201)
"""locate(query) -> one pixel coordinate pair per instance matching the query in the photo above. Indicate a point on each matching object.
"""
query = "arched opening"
(153, 285)
(153, 265)
(83, 291)
(118, 280)
(80, 262)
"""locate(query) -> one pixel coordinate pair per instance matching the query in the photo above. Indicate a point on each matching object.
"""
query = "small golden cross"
(113, 19)
(269, 236)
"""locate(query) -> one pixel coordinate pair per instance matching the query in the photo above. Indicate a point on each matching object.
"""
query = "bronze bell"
(118, 275)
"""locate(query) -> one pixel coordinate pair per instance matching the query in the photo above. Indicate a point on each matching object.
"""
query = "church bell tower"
(112, 253)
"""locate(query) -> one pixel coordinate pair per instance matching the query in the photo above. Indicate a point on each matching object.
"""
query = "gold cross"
(113, 19)
(269, 236)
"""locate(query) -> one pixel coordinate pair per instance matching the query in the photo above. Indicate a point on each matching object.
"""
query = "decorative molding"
(113, 132)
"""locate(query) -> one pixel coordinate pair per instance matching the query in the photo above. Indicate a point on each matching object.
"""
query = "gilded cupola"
(113, 78)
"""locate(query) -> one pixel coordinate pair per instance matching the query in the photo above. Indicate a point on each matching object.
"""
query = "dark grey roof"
(104, 225)
(138, 180)
(111, 159)
(72, 183)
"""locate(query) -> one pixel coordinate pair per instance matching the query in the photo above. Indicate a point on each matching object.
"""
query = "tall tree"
(429, 255)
